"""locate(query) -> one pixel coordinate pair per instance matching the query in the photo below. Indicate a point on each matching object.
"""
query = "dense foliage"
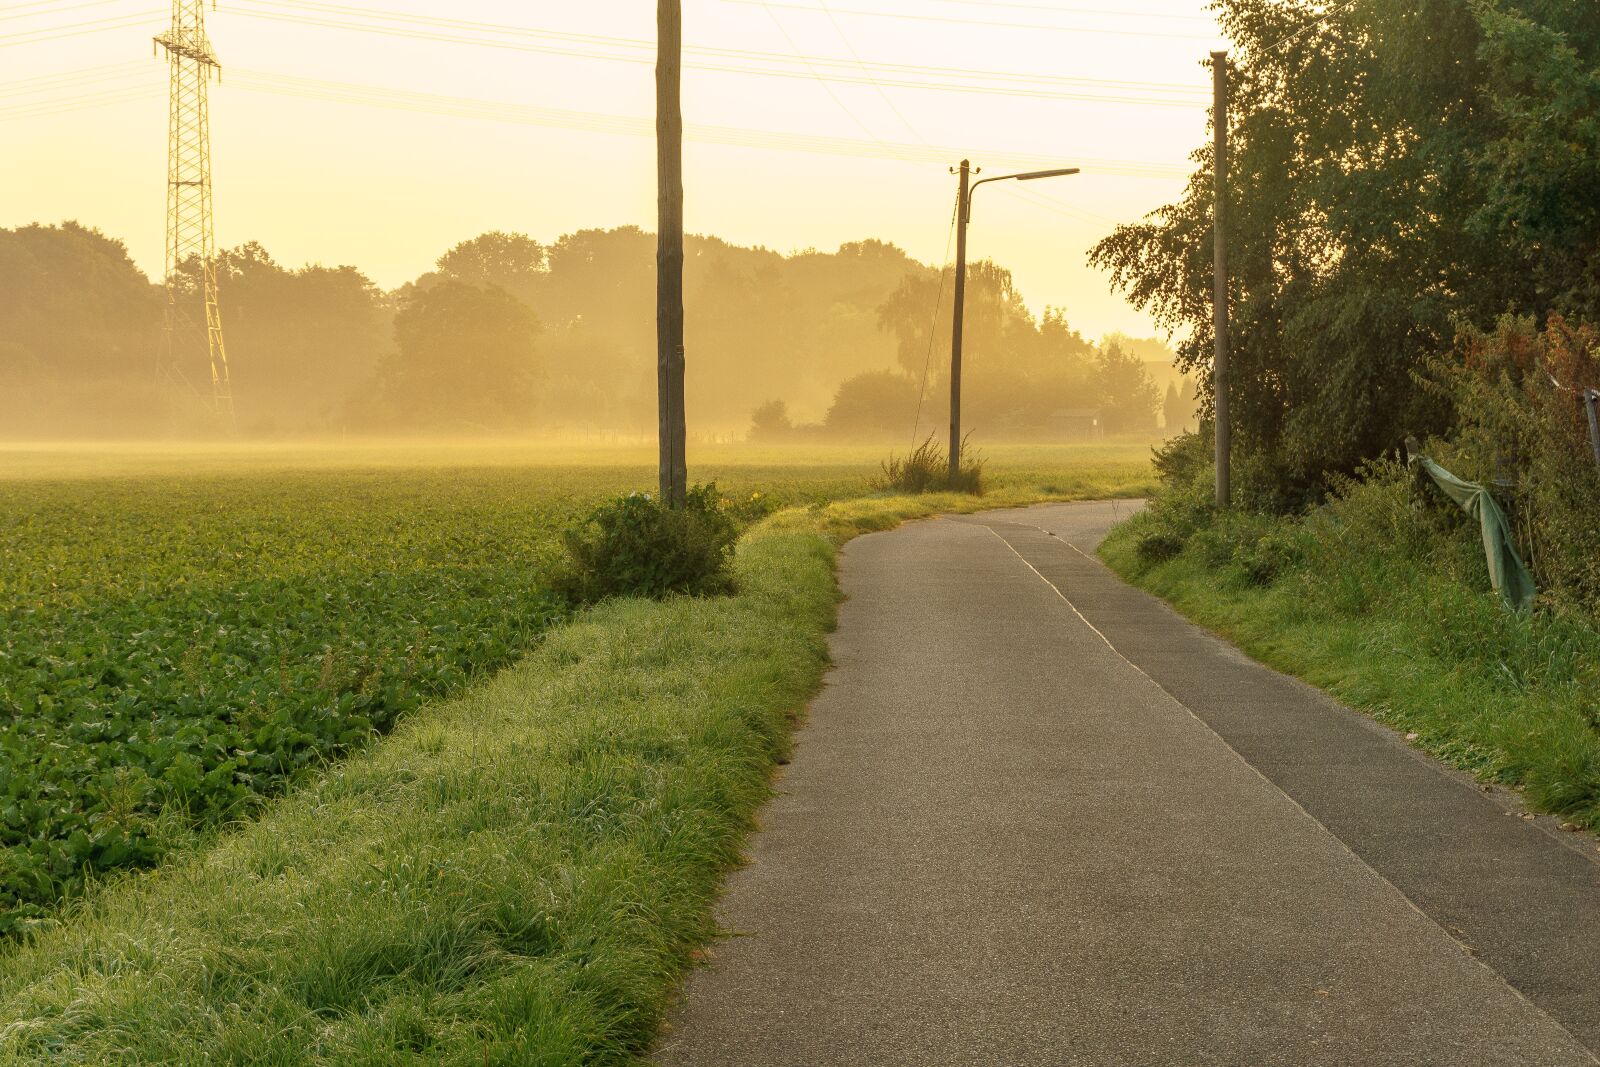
(76, 316)
(635, 545)
(1520, 426)
(1397, 168)
(465, 358)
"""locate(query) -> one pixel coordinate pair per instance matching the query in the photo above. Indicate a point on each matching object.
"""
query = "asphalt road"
(1036, 818)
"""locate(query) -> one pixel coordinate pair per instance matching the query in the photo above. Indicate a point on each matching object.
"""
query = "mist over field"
(511, 337)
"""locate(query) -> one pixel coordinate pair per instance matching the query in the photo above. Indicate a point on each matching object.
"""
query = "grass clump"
(1381, 596)
(635, 545)
(926, 469)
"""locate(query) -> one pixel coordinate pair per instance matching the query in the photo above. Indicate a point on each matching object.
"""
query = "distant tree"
(75, 303)
(299, 341)
(1128, 398)
(1172, 409)
(873, 405)
(464, 357)
(79, 330)
(771, 422)
(514, 262)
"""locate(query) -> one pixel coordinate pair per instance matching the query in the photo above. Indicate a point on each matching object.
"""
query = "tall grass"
(1382, 597)
(926, 469)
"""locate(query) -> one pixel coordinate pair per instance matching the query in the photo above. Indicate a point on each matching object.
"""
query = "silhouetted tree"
(771, 422)
(464, 358)
(299, 341)
(514, 262)
(1128, 398)
(871, 405)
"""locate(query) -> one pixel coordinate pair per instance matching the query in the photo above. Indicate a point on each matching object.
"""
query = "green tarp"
(1507, 573)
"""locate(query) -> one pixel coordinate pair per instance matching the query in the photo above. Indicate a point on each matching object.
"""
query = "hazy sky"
(379, 134)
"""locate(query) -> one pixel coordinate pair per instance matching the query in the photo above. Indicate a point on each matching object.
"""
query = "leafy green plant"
(926, 469)
(636, 546)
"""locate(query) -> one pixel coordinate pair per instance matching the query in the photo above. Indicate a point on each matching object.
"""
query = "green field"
(186, 630)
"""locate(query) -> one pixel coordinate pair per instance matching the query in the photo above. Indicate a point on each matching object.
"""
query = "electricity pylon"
(189, 232)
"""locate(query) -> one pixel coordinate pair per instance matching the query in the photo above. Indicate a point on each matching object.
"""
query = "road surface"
(1036, 818)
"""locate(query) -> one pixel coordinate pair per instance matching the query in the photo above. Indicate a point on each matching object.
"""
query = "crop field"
(184, 632)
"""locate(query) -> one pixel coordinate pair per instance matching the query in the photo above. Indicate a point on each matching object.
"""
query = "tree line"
(1414, 237)
(510, 335)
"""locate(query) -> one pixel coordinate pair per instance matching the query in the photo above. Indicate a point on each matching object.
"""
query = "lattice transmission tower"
(193, 326)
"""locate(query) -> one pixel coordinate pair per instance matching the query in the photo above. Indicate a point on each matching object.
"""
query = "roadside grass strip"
(1511, 698)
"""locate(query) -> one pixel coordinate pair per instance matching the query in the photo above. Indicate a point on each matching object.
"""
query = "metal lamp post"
(963, 216)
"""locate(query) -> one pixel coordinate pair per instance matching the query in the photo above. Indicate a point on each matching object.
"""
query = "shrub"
(636, 546)
(1184, 459)
(925, 469)
(1158, 546)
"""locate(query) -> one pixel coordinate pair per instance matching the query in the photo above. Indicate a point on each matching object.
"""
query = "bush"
(1158, 546)
(926, 470)
(636, 546)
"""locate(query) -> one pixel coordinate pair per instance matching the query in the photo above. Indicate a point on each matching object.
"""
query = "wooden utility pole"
(669, 251)
(1219, 268)
(963, 200)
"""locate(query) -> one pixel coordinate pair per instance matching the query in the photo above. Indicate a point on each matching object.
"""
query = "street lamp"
(963, 216)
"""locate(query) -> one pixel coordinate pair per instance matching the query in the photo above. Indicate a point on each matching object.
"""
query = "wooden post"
(958, 316)
(1219, 266)
(669, 251)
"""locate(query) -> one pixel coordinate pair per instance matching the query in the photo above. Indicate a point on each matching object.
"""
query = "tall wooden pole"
(669, 251)
(1219, 367)
(958, 318)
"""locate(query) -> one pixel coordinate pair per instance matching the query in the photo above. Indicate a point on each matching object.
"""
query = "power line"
(724, 60)
(933, 327)
(84, 102)
(851, 48)
(989, 23)
(76, 29)
(820, 80)
(1054, 9)
(60, 79)
(523, 114)
(16, 11)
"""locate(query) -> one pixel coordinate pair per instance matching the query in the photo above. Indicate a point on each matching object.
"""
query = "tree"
(770, 422)
(514, 262)
(1128, 398)
(873, 405)
(1172, 410)
(1364, 161)
(464, 359)
(76, 303)
(79, 329)
(299, 341)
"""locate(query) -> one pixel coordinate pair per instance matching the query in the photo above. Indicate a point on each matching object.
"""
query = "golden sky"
(379, 134)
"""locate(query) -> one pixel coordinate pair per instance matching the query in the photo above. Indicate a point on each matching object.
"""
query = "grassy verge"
(1382, 599)
(519, 875)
